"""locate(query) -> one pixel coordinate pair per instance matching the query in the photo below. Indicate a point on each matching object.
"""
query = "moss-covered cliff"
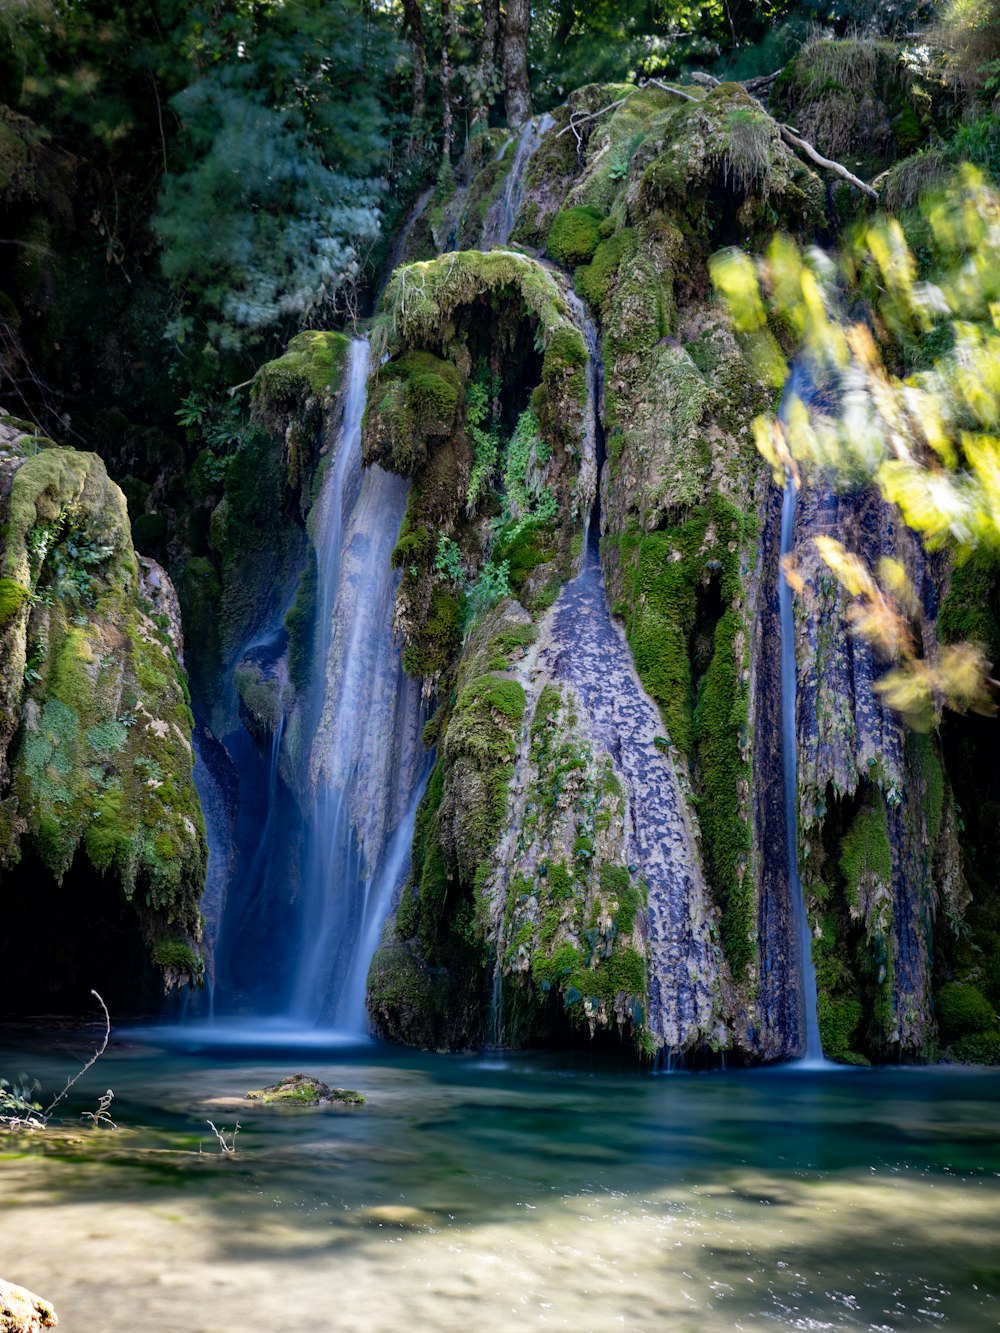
(632, 202)
(95, 741)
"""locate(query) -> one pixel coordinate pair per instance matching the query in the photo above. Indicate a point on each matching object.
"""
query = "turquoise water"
(529, 1193)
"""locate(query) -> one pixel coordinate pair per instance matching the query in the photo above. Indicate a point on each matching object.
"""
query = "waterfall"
(365, 761)
(499, 221)
(584, 648)
(813, 1046)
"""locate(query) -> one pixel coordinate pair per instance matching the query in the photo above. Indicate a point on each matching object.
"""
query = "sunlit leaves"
(929, 441)
(887, 614)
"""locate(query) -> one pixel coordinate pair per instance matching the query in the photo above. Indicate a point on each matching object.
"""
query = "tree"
(515, 63)
(283, 146)
(484, 81)
(413, 21)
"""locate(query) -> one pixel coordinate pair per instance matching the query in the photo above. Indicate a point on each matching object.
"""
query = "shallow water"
(528, 1192)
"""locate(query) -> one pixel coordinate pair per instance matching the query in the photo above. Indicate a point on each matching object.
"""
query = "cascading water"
(500, 219)
(813, 1053)
(584, 648)
(365, 762)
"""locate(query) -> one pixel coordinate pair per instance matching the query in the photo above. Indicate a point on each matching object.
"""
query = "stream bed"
(532, 1191)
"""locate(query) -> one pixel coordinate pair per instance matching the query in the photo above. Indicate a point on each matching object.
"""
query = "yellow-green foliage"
(103, 757)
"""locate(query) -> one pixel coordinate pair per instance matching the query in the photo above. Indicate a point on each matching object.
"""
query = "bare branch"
(92, 1061)
(100, 1119)
(796, 141)
(226, 1145)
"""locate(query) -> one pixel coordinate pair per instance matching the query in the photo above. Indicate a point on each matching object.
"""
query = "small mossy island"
(304, 1090)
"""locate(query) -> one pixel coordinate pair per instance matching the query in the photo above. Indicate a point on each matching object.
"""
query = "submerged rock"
(21, 1311)
(304, 1090)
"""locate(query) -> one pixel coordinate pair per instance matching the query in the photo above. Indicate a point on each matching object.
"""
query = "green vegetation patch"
(311, 366)
(574, 235)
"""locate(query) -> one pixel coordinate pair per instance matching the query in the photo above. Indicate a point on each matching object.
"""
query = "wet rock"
(21, 1311)
(304, 1090)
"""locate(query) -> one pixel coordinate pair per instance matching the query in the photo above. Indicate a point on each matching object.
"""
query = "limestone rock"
(21, 1311)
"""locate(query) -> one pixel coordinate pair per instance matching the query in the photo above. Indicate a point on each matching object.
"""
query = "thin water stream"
(813, 1046)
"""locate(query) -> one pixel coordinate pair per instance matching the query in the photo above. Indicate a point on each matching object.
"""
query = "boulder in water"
(21, 1311)
(304, 1090)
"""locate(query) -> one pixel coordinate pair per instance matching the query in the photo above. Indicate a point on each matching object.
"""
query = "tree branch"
(92, 1061)
(804, 146)
(790, 136)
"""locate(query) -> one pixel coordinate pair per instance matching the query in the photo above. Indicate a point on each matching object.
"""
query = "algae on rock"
(95, 747)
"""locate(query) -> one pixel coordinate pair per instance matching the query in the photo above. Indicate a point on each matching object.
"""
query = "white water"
(499, 222)
(813, 1054)
(365, 763)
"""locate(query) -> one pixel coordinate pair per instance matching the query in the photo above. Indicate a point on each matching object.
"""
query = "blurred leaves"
(929, 441)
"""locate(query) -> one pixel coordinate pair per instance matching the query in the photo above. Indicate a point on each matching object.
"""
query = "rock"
(21, 1311)
(159, 591)
(304, 1090)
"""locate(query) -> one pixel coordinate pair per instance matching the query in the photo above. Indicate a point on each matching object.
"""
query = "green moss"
(662, 572)
(420, 299)
(13, 596)
(865, 854)
(617, 888)
(720, 722)
(440, 636)
(928, 769)
(593, 280)
(300, 622)
(979, 1048)
(971, 609)
(963, 1010)
(574, 235)
(838, 1025)
(412, 401)
(177, 955)
(312, 364)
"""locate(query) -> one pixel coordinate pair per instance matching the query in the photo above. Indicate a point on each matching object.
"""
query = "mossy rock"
(102, 760)
(311, 366)
(412, 403)
(574, 235)
(304, 1090)
(963, 1010)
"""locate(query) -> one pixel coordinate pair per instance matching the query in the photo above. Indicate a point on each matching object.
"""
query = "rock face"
(579, 858)
(871, 798)
(96, 785)
(21, 1311)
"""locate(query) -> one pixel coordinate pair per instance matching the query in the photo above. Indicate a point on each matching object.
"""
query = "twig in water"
(100, 1117)
(92, 1061)
(227, 1146)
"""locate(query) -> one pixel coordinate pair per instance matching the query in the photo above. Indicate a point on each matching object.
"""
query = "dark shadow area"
(60, 941)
